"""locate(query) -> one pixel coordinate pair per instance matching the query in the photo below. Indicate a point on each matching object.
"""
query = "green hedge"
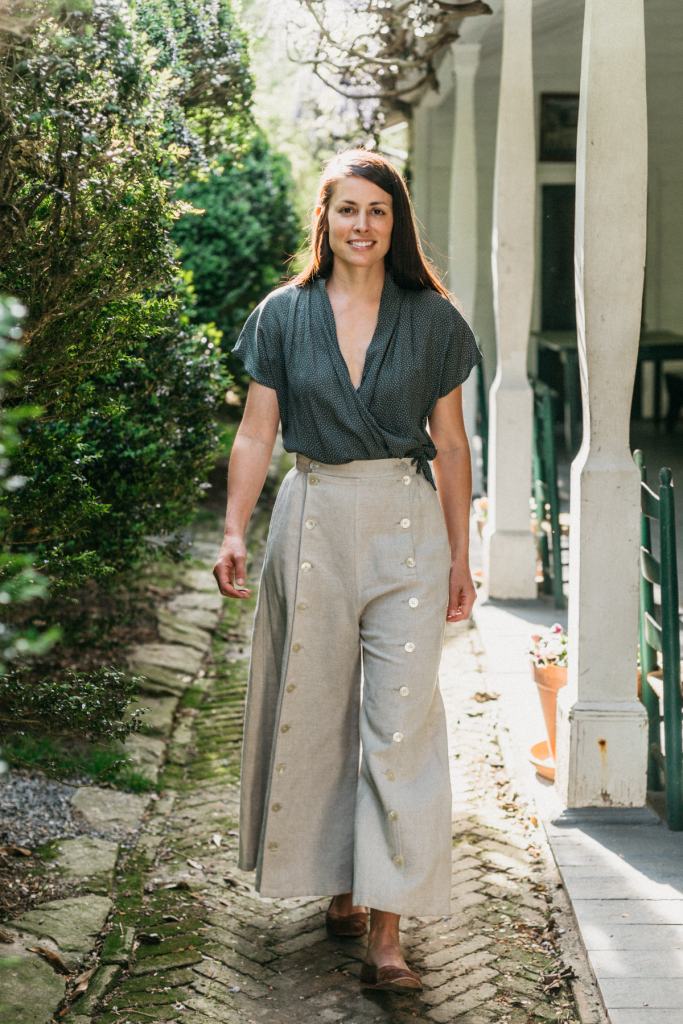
(237, 250)
(128, 138)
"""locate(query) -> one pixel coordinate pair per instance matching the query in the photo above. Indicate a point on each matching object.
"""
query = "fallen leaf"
(216, 839)
(82, 981)
(53, 958)
(16, 851)
(482, 695)
(195, 864)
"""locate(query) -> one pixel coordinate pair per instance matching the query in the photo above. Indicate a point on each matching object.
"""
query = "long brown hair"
(405, 260)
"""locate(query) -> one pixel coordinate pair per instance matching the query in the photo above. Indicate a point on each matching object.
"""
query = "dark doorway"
(558, 312)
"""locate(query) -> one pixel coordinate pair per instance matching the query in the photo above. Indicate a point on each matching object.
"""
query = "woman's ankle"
(341, 903)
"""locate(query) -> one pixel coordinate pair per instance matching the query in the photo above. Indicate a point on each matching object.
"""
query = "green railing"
(545, 492)
(661, 677)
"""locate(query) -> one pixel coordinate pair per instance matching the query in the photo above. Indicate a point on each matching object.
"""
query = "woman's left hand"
(462, 592)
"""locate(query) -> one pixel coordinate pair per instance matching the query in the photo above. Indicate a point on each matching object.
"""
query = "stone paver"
(87, 858)
(103, 807)
(208, 948)
(22, 973)
(70, 925)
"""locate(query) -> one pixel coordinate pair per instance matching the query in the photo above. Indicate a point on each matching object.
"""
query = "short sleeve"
(461, 355)
(259, 345)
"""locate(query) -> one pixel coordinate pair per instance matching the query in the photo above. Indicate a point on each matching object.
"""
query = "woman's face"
(360, 220)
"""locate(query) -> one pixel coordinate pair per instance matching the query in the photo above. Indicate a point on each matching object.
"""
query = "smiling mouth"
(361, 245)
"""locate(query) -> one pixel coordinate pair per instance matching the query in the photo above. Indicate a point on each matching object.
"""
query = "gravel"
(35, 809)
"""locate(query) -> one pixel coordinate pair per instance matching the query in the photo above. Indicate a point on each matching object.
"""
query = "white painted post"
(602, 726)
(419, 156)
(462, 219)
(462, 216)
(509, 550)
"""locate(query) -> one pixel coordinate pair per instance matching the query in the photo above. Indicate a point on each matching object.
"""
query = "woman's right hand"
(230, 567)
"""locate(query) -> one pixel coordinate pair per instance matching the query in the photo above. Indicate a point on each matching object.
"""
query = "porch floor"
(622, 869)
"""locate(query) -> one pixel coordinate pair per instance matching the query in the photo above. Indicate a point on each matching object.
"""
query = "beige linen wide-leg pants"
(340, 794)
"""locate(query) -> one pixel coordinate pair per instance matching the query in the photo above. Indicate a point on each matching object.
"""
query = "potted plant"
(548, 653)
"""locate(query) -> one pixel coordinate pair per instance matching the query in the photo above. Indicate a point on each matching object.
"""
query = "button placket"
(396, 845)
(406, 524)
(306, 569)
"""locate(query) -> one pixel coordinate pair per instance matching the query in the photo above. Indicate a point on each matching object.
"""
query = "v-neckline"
(381, 312)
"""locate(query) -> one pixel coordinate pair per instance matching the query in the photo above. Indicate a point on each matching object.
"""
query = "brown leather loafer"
(346, 926)
(389, 979)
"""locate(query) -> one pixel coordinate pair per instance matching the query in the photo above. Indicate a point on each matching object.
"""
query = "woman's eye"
(346, 209)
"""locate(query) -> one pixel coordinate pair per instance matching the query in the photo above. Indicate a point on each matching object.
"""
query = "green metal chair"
(545, 491)
(661, 685)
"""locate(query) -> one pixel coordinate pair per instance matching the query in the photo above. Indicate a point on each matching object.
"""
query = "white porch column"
(419, 156)
(509, 547)
(602, 726)
(462, 214)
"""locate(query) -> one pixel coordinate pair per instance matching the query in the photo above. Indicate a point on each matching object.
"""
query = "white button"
(393, 815)
(313, 479)
(302, 605)
(280, 769)
(276, 807)
(405, 523)
(398, 859)
(291, 687)
(284, 728)
(410, 646)
(296, 647)
(305, 566)
(310, 523)
(390, 774)
(404, 691)
(410, 562)
(413, 602)
(313, 465)
(272, 846)
(397, 737)
(406, 480)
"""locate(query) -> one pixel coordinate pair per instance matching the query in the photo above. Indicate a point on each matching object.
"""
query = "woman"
(365, 562)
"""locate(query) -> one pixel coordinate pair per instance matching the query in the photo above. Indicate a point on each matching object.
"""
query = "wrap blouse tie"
(421, 460)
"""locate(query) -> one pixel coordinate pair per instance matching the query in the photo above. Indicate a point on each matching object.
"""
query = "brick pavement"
(208, 949)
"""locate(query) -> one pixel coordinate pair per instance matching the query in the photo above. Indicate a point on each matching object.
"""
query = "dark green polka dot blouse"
(422, 348)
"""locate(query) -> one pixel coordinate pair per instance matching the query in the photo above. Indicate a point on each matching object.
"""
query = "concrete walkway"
(622, 869)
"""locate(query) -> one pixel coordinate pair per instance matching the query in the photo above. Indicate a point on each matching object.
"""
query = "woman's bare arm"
(250, 457)
(453, 474)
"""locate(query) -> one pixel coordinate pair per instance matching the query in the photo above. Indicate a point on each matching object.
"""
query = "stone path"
(207, 949)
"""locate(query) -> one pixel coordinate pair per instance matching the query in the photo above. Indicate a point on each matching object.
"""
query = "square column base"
(509, 563)
(601, 752)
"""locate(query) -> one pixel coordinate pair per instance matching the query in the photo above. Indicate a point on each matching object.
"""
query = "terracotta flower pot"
(549, 679)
